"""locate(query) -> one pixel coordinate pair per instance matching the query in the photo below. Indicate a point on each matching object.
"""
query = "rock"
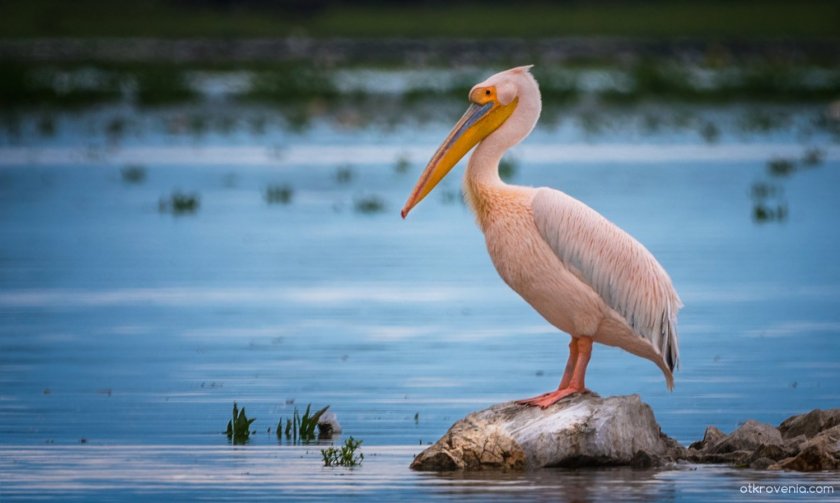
(761, 463)
(328, 425)
(771, 451)
(711, 437)
(735, 457)
(810, 459)
(822, 452)
(584, 430)
(810, 424)
(807, 442)
(643, 459)
(792, 445)
(749, 436)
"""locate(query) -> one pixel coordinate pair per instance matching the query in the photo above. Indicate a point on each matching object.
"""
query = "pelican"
(580, 271)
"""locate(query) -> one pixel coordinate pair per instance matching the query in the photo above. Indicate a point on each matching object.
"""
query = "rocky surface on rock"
(587, 430)
(584, 430)
(807, 442)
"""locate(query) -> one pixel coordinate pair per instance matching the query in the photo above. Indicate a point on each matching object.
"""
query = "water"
(127, 333)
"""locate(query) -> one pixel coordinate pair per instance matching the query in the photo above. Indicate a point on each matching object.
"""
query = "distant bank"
(413, 51)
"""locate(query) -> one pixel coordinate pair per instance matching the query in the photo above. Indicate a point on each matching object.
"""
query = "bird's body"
(582, 273)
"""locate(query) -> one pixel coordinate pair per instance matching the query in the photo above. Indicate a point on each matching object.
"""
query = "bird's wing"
(622, 271)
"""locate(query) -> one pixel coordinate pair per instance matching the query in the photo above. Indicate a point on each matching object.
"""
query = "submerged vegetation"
(769, 204)
(344, 174)
(279, 194)
(402, 165)
(179, 203)
(369, 204)
(345, 456)
(133, 173)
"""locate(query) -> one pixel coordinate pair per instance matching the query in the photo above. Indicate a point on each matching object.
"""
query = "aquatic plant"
(760, 121)
(402, 165)
(764, 213)
(710, 132)
(779, 166)
(507, 168)
(813, 157)
(133, 173)
(279, 194)
(300, 428)
(768, 202)
(115, 127)
(179, 203)
(239, 427)
(345, 456)
(762, 190)
(344, 174)
(369, 204)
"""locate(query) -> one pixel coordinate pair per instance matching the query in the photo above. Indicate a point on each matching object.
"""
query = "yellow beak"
(478, 122)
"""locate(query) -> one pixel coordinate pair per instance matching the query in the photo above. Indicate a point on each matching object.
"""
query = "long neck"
(482, 177)
(483, 167)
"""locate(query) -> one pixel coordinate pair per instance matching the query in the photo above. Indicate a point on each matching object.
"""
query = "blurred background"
(199, 204)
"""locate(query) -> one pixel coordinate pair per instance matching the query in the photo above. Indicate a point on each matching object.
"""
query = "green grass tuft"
(300, 429)
(345, 456)
(239, 427)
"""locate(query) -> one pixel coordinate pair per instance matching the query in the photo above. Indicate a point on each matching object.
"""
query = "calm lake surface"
(127, 332)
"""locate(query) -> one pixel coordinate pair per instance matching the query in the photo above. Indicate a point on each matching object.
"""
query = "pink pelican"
(581, 272)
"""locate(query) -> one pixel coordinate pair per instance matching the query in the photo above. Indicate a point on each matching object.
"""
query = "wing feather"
(620, 269)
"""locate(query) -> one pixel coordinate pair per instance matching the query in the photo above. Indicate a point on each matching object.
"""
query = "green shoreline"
(530, 19)
(79, 85)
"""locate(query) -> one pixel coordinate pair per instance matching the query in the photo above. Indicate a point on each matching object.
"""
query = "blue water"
(126, 333)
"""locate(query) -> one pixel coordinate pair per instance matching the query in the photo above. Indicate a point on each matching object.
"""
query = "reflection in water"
(556, 484)
(270, 473)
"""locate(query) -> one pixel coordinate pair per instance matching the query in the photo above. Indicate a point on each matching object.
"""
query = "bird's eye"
(487, 92)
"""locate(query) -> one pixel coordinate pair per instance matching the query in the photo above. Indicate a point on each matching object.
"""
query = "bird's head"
(505, 107)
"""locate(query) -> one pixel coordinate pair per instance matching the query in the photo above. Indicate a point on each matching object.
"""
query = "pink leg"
(570, 364)
(580, 351)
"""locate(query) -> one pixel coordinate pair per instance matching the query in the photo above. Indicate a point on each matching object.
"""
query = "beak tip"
(404, 213)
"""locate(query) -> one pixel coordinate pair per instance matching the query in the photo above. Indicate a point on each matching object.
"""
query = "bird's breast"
(528, 265)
